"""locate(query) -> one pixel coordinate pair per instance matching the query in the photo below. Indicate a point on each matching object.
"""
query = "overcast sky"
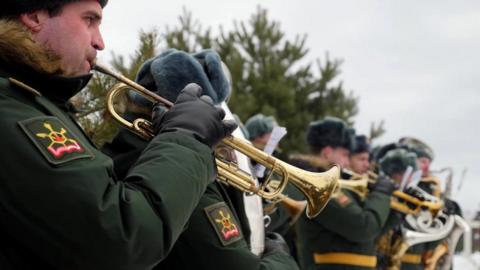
(413, 64)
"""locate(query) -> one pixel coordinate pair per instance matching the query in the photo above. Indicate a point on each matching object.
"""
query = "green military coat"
(215, 235)
(346, 226)
(420, 251)
(343, 235)
(61, 205)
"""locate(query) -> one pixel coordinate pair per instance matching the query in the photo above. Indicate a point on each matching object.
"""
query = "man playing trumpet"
(62, 206)
(343, 235)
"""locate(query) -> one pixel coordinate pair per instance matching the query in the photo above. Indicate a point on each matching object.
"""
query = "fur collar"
(18, 47)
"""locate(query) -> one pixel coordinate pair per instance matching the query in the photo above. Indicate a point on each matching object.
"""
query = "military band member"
(280, 218)
(343, 235)
(259, 129)
(217, 234)
(62, 207)
(429, 182)
(420, 256)
(393, 163)
(360, 156)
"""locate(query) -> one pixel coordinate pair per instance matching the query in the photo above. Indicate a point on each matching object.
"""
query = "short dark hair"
(11, 9)
(56, 9)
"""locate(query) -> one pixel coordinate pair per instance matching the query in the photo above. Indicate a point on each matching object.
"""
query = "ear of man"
(34, 20)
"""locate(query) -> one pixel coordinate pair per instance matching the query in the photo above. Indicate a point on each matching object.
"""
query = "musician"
(343, 235)
(393, 162)
(62, 207)
(259, 129)
(218, 233)
(360, 156)
(431, 184)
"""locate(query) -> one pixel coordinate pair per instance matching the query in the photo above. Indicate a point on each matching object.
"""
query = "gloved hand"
(385, 185)
(194, 114)
(418, 193)
(274, 242)
(452, 208)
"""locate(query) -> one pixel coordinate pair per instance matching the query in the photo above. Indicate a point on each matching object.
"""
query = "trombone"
(317, 187)
(401, 201)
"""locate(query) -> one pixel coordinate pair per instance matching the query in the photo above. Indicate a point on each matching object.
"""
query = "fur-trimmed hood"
(18, 48)
(32, 64)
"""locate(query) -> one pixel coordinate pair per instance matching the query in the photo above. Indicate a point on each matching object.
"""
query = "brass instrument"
(410, 238)
(295, 208)
(401, 201)
(316, 187)
(461, 228)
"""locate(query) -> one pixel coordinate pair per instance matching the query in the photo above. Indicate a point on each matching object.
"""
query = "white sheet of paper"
(277, 134)
(252, 203)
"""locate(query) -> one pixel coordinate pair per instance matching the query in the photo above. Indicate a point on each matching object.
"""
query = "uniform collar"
(58, 89)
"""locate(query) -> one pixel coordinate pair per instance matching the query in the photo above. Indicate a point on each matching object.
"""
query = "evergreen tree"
(268, 70)
(90, 103)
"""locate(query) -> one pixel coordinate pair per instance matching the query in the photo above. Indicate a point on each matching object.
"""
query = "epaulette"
(23, 86)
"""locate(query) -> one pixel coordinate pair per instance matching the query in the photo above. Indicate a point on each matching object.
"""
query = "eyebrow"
(94, 14)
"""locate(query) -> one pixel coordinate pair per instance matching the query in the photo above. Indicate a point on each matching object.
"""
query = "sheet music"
(277, 134)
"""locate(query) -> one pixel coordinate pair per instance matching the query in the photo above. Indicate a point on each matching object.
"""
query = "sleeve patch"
(343, 200)
(224, 223)
(54, 140)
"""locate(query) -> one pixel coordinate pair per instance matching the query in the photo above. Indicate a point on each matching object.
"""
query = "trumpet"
(316, 187)
(401, 201)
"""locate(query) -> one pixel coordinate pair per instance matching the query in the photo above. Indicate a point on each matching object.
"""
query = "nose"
(97, 40)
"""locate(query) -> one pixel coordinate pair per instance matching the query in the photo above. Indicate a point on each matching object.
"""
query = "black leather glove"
(452, 208)
(194, 114)
(385, 185)
(416, 192)
(274, 242)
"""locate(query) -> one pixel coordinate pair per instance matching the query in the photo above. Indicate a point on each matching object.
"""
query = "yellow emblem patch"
(54, 140)
(343, 199)
(224, 223)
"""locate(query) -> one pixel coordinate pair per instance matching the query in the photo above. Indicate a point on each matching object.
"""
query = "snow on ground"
(463, 263)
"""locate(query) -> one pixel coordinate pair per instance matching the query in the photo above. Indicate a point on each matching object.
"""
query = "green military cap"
(16, 7)
(362, 144)
(420, 148)
(259, 125)
(331, 131)
(397, 161)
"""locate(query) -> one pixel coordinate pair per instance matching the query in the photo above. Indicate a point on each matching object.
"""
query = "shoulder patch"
(54, 140)
(342, 199)
(224, 223)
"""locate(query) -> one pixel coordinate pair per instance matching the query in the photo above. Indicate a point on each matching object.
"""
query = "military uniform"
(215, 237)
(343, 235)
(209, 244)
(280, 220)
(416, 256)
(62, 207)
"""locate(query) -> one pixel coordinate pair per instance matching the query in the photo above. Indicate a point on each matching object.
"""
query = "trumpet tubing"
(400, 201)
(316, 187)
